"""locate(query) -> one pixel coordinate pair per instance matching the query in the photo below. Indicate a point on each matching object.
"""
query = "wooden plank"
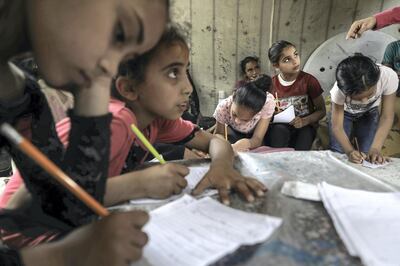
(315, 25)
(342, 16)
(225, 45)
(202, 53)
(291, 21)
(265, 33)
(248, 42)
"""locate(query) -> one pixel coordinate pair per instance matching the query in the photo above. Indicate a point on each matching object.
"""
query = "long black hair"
(356, 74)
(253, 94)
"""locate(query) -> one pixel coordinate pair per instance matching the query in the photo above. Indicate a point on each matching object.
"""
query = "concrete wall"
(222, 32)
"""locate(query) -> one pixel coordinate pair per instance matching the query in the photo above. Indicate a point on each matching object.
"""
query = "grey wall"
(222, 32)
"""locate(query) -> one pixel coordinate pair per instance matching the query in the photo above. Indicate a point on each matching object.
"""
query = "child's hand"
(165, 180)
(241, 145)
(114, 240)
(298, 122)
(225, 178)
(375, 156)
(356, 156)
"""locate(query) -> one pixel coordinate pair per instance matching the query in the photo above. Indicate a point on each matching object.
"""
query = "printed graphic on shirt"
(357, 107)
(300, 104)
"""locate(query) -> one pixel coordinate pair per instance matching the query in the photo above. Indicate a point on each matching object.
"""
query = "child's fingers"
(243, 189)
(182, 182)
(177, 190)
(256, 186)
(180, 169)
(224, 195)
(201, 186)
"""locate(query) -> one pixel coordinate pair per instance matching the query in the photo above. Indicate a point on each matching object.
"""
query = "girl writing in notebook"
(294, 87)
(72, 63)
(361, 89)
(247, 114)
(152, 92)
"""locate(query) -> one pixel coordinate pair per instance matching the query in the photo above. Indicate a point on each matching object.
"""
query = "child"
(250, 68)
(161, 72)
(391, 58)
(247, 113)
(360, 88)
(300, 89)
(72, 63)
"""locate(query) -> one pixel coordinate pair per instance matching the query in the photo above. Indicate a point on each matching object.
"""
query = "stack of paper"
(367, 222)
(199, 232)
(195, 175)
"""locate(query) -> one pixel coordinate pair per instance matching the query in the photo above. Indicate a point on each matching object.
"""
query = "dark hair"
(356, 74)
(275, 51)
(246, 60)
(27, 63)
(253, 94)
(135, 69)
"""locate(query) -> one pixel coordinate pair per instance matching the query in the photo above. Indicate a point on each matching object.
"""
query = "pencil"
(37, 156)
(226, 132)
(358, 147)
(278, 105)
(148, 145)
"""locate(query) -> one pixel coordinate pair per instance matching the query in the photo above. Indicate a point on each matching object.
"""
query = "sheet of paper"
(301, 190)
(286, 116)
(193, 178)
(368, 222)
(199, 232)
(372, 165)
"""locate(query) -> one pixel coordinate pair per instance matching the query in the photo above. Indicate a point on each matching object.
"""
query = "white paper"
(372, 165)
(367, 222)
(193, 178)
(286, 116)
(199, 232)
(301, 190)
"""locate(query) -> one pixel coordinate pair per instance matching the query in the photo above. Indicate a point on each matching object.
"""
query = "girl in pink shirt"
(247, 113)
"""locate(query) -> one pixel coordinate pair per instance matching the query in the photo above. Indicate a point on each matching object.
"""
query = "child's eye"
(173, 74)
(119, 34)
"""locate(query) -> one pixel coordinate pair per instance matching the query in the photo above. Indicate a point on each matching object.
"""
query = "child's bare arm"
(220, 128)
(338, 130)
(256, 140)
(19, 198)
(385, 124)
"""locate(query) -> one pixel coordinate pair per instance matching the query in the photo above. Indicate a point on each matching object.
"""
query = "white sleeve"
(337, 95)
(390, 80)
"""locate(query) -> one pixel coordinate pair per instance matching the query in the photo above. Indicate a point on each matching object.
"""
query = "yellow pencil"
(36, 155)
(147, 144)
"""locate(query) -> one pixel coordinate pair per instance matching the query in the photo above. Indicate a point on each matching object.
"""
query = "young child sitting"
(152, 92)
(250, 68)
(300, 89)
(82, 60)
(361, 88)
(247, 113)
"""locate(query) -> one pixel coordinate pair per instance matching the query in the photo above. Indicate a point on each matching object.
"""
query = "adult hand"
(358, 27)
(225, 178)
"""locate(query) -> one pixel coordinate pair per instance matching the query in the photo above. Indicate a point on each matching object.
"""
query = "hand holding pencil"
(356, 156)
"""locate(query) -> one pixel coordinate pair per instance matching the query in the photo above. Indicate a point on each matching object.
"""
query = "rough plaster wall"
(221, 32)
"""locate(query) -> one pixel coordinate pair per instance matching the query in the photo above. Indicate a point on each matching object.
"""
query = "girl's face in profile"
(75, 41)
(241, 113)
(289, 62)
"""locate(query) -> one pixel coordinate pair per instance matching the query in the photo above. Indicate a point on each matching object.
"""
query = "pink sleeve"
(12, 186)
(387, 17)
(174, 130)
(222, 112)
(269, 107)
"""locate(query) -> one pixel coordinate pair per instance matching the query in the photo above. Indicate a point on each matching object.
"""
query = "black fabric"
(284, 135)
(85, 160)
(9, 257)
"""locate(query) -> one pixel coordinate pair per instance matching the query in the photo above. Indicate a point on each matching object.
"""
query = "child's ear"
(126, 89)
